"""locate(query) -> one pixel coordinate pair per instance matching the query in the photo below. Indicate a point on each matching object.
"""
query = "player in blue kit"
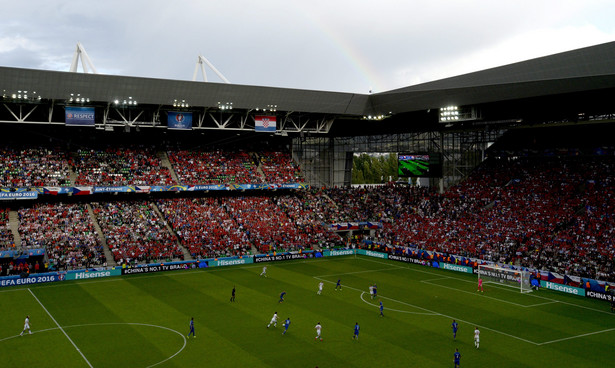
(356, 331)
(381, 309)
(454, 326)
(338, 285)
(457, 357)
(282, 296)
(375, 290)
(192, 328)
(286, 324)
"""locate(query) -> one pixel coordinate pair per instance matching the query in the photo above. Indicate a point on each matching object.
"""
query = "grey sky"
(336, 45)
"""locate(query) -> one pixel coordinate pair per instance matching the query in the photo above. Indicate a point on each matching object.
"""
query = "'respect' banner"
(79, 116)
(179, 120)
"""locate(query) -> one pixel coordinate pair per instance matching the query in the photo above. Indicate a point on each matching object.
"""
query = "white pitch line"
(540, 304)
(529, 295)
(61, 329)
(439, 278)
(116, 323)
(483, 295)
(440, 314)
(577, 336)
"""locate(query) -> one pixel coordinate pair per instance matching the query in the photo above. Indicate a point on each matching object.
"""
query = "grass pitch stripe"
(61, 329)
(440, 314)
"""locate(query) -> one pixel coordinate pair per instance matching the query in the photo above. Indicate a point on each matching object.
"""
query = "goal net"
(493, 274)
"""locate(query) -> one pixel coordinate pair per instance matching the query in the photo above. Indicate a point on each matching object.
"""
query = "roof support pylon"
(85, 60)
(201, 62)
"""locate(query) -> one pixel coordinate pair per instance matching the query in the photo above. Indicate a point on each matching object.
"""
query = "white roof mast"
(85, 60)
(200, 62)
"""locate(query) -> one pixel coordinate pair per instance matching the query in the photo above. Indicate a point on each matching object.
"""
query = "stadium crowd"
(205, 227)
(279, 167)
(65, 231)
(33, 167)
(141, 165)
(552, 213)
(134, 232)
(118, 166)
(214, 167)
(7, 241)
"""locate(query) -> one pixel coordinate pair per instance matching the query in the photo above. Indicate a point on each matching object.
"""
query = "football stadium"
(163, 223)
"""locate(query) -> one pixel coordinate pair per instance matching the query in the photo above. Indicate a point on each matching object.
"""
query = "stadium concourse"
(547, 211)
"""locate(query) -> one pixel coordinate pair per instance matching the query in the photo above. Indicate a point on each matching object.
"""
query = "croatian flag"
(264, 123)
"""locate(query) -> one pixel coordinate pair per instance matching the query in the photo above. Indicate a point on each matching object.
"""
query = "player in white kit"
(476, 337)
(318, 327)
(274, 320)
(26, 326)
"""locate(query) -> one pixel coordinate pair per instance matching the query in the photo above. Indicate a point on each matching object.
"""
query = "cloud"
(342, 45)
(537, 43)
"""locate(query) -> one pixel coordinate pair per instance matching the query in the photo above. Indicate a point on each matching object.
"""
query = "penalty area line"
(577, 336)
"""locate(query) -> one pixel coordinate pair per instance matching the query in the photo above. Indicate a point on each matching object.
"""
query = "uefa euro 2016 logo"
(179, 118)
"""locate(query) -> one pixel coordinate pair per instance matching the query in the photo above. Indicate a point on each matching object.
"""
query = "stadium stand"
(7, 241)
(65, 231)
(135, 233)
(118, 166)
(33, 166)
(268, 227)
(551, 210)
(550, 214)
(213, 167)
(279, 168)
(309, 213)
(205, 227)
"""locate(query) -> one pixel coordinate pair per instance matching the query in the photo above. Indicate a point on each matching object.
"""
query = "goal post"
(493, 274)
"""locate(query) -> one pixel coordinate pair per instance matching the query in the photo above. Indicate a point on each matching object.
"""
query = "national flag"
(263, 123)
(142, 189)
(52, 190)
(82, 190)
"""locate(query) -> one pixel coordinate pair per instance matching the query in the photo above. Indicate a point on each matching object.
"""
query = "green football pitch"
(142, 320)
(415, 167)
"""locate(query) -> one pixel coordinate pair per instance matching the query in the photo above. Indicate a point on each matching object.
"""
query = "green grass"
(142, 320)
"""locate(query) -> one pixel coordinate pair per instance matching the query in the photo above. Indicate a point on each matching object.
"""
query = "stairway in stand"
(187, 255)
(14, 225)
(101, 237)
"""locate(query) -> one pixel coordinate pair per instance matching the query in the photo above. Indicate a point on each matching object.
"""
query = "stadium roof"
(586, 69)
